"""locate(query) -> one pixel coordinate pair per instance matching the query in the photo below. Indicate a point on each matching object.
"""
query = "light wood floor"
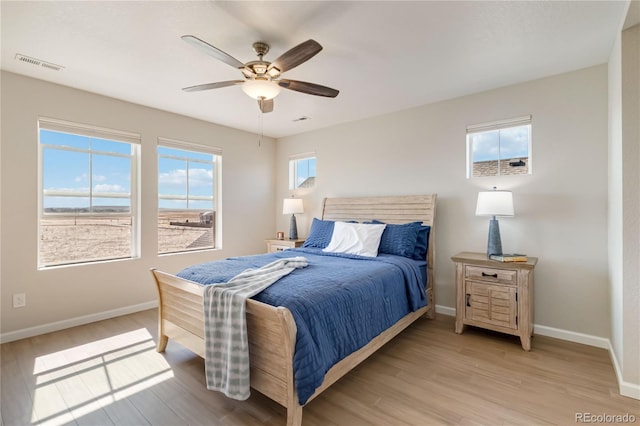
(109, 373)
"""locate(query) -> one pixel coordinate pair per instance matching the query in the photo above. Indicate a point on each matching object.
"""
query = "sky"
(305, 167)
(174, 173)
(504, 144)
(108, 173)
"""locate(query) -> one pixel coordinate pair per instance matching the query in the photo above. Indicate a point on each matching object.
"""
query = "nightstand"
(495, 295)
(279, 245)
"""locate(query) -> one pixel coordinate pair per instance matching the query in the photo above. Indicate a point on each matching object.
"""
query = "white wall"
(614, 223)
(624, 204)
(631, 197)
(561, 209)
(61, 294)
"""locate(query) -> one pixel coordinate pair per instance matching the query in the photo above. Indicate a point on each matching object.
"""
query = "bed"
(272, 330)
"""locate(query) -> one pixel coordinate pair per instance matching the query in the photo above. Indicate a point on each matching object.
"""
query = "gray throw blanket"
(225, 337)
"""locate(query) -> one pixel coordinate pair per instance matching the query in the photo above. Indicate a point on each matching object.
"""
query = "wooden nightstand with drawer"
(495, 295)
(280, 245)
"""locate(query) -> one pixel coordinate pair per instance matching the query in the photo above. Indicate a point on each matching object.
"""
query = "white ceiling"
(382, 56)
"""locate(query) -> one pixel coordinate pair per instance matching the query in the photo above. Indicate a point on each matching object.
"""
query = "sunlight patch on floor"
(89, 377)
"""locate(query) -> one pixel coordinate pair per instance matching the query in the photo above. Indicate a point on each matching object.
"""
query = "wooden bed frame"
(272, 330)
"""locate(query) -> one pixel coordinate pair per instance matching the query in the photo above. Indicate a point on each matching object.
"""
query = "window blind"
(88, 130)
(499, 124)
(190, 146)
(302, 156)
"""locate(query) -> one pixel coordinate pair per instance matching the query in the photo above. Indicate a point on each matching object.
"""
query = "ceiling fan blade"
(215, 52)
(295, 56)
(266, 105)
(309, 88)
(210, 86)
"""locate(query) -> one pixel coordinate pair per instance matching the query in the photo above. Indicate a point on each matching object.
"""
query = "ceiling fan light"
(274, 72)
(261, 89)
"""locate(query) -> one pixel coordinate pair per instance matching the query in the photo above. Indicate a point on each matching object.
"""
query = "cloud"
(178, 177)
(105, 187)
(85, 178)
(485, 146)
(514, 142)
(200, 177)
(81, 190)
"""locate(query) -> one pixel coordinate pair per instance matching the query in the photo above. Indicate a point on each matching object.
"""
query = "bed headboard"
(392, 209)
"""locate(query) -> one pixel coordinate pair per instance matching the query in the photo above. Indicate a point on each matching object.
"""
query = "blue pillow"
(422, 243)
(399, 239)
(319, 234)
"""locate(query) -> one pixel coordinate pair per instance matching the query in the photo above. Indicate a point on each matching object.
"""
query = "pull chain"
(260, 122)
(261, 128)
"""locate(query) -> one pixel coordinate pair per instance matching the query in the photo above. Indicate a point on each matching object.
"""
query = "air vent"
(303, 118)
(38, 62)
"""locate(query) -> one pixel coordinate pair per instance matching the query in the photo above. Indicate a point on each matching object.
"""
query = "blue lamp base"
(494, 246)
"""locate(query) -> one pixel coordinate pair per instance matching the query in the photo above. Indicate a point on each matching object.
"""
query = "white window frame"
(293, 167)
(90, 131)
(525, 120)
(217, 186)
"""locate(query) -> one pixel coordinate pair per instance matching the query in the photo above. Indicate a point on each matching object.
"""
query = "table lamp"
(494, 203)
(292, 206)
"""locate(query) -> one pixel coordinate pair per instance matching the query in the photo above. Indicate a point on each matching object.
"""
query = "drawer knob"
(484, 274)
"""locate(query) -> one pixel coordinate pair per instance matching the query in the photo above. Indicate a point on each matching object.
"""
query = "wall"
(57, 296)
(624, 203)
(614, 223)
(631, 204)
(561, 209)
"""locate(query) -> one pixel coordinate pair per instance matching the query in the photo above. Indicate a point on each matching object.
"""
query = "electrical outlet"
(19, 300)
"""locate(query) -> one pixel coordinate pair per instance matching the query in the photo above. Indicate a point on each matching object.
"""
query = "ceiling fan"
(262, 78)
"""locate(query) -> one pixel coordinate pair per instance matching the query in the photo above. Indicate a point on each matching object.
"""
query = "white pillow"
(355, 238)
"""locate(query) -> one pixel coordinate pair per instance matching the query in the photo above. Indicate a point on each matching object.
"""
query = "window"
(188, 178)
(87, 193)
(499, 148)
(302, 171)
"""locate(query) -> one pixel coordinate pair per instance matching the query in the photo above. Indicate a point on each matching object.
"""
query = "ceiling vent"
(38, 62)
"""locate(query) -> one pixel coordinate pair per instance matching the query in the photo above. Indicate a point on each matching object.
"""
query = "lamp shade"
(292, 206)
(495, 203)
(261, 89)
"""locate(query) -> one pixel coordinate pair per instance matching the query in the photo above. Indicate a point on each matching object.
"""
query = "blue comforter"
(339, 302)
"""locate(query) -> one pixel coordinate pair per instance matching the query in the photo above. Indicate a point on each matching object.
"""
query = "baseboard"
(543, 330)
(73, 322)
(632, 390)
(571, 336)
(445, 310)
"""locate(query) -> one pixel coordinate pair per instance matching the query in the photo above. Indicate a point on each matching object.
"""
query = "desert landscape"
(71, 239)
